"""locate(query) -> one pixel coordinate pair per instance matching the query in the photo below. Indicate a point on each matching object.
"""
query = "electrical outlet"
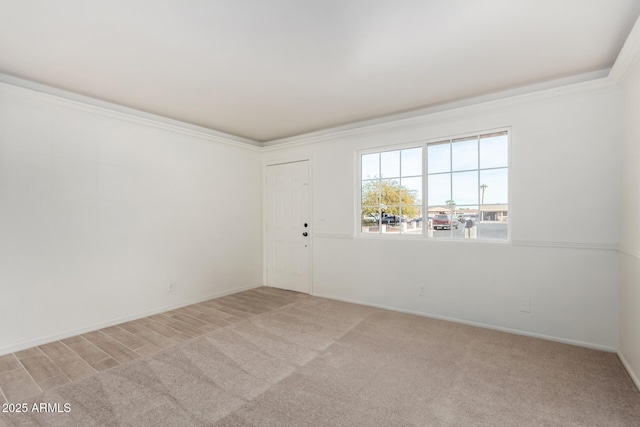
(171, 287)
(422, 292)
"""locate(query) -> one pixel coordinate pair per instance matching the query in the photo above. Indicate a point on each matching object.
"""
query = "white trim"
(423, 144)
(626, 56)
(415, 143)
(265, 228)
(452, 111)
(626, 365)
(66, 99)
(568, 245)
(529, 243)
(633, 252)
(588, 82)
(477, 324)
(311, 227)
(430, 240)
(357, 192)
(23, 345)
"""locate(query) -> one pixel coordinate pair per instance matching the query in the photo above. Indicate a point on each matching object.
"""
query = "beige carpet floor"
(317, 362)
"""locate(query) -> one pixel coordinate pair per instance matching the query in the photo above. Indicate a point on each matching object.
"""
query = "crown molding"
(600, 80)
(587, 82)
(627, 55)
(596, 81)
(51, 95)
(584, 83)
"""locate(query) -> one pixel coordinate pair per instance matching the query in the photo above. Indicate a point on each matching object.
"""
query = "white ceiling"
(269, 69)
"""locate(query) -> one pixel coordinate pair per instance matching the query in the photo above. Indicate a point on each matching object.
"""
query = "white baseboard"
(632, 374)
(23, 345)
(478, 324)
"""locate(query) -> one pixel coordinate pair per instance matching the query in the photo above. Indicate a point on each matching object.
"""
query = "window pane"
(465, 188)
(468, 212)
(388, 211)
(439, 189)
(390, 164)
(442, 222)
(390, 222)
(494, 186)
(458, 231)
(390, 192)
(370, 166)
(494, 151)
(411, 191)
(412, 219)
(494, 222)
(370, 220)
(412, 162)
(467, 216)
(371, 192)
(464, 155)
(439, 157)
(411, 212)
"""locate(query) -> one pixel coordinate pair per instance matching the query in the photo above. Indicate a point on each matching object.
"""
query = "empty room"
(319, 213)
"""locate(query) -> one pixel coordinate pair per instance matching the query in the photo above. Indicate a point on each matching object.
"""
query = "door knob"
(305, 234)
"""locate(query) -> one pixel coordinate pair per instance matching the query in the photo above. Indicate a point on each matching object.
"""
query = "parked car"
(442, 222)
(392, 219)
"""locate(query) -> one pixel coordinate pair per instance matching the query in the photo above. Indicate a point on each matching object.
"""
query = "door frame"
(275, 162)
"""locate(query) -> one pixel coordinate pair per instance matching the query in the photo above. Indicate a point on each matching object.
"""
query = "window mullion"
(479, 184)
(380, 193)
(425, 191)
(450, 187)
(432, 159)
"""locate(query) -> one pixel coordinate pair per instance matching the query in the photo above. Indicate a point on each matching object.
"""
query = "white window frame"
(424, 143)
(396, 147)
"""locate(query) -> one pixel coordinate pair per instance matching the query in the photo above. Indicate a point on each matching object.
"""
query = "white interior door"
(288, 226)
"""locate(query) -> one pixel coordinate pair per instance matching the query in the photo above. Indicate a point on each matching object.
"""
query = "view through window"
(392, 191)
(466, 183)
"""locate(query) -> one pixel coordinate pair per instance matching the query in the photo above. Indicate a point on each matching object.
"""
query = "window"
(392, 192)
(466, 183)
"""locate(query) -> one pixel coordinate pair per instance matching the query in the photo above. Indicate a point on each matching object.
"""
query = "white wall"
(99, 212)
(629, 347)
(564, 190)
